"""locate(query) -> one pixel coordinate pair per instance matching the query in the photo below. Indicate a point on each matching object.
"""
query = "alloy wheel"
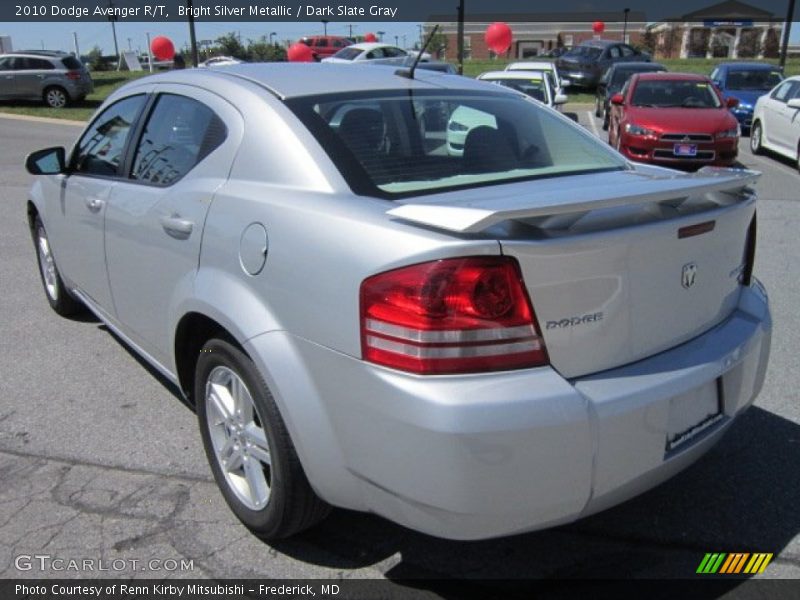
(47, 264)
(238, 437)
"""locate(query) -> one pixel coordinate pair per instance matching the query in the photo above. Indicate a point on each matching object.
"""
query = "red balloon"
(498, 37)
(370, 37)
(299, 52)
(162, 48)
(598, 27)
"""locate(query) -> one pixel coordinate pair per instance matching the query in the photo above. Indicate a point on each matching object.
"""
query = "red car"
(323, 46)
(673, 119)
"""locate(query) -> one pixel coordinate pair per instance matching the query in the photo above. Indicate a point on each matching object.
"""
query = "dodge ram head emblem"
(689, 275)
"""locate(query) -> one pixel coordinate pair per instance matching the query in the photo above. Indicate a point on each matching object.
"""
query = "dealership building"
(536, 34)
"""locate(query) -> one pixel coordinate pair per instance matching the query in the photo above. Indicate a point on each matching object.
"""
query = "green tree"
(229, 45)
(772, 44)
(263, 51)
(96, 62)
(438, 45)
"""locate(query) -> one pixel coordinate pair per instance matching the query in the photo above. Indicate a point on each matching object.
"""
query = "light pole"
(396, 41)
(192, 36)
(271, 34)
(786, 31)
(380, 35)
(113, 20)
(421, 39)
(625, 26)
(325, 26)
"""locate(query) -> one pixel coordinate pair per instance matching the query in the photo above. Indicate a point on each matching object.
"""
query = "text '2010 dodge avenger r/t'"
(470, 345)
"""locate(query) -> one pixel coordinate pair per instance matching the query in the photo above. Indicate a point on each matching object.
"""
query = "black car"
(584, 65)
(612, 81)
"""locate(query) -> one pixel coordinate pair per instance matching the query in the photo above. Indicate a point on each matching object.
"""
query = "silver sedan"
(470, 345)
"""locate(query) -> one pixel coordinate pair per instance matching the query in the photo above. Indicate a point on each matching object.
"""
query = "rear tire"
(248, 447)
(56, 97)
(55, 291)
(756, 145)
(598, 109)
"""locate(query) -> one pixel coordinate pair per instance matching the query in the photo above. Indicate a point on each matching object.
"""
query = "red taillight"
(74, 75)
(459, 315)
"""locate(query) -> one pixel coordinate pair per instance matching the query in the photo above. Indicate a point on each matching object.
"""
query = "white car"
(776, 121)
(373, 52)
(540, 65)
(464, 119)
(220, 61)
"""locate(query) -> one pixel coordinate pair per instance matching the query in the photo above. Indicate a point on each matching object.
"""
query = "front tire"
(756, 145)
(55, 291)
(248, 447)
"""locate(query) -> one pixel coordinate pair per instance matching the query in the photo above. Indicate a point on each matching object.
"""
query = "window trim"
(130, 155)
(72, 172)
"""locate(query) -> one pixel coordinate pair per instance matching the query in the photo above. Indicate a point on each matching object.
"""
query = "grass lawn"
(107, 82)
(104, 84)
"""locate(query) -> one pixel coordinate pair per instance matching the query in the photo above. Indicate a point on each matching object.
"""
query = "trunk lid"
(619, 266)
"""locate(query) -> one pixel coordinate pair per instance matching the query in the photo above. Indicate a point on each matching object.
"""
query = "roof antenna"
(409, 73)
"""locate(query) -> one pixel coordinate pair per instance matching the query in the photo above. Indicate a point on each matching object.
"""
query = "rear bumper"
(470, 457)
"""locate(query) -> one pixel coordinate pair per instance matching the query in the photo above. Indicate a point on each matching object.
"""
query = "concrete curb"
(41, 119)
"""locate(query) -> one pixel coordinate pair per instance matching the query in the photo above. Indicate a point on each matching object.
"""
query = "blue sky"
(58, 36)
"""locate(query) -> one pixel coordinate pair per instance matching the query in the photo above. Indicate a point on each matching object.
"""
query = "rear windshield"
(684, 94)
(397, 144)
(348, 53)
(753, 80)
(622, 75)
(71, 62)
(530, 87)
(585, 51)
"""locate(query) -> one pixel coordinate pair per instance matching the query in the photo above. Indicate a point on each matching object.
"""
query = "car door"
(155, 218)
(30, 75)
(8, 86)
(778, 117)
(76, 216)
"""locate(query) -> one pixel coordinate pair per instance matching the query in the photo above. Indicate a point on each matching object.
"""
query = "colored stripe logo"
(734, 563)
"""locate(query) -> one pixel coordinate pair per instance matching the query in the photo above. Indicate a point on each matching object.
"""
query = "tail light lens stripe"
(439, 352)
(463, 336)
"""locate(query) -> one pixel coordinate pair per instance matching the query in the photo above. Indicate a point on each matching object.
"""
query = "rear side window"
(101, 149)
(71, 62)
(180, 133)
(782, 92)
(6, 63)
(34, 64)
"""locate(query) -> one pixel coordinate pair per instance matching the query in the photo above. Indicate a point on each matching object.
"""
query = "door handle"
(177, 227)
(94, 204)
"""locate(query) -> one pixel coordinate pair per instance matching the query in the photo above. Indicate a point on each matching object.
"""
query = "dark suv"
(585, 64)
(53, 77)
(612, 81)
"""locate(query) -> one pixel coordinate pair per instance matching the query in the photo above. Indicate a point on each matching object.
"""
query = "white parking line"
(595, 130)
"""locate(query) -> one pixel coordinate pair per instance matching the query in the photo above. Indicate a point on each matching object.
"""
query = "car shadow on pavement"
(741, 497)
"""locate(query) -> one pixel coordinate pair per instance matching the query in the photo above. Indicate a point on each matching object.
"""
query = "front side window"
(6, 63)
(180, 132)
(347, 53)
(100, 150)
(782, 93)
(398, 144)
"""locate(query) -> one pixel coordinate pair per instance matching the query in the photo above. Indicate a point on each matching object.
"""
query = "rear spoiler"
(481, 213)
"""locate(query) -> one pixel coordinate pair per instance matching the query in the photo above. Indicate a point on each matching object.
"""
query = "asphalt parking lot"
(99, 460)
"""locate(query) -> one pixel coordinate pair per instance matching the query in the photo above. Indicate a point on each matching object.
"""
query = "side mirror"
(731, 102)
(618, 99)
(560, 99)
(50, 161)
(793, 103)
